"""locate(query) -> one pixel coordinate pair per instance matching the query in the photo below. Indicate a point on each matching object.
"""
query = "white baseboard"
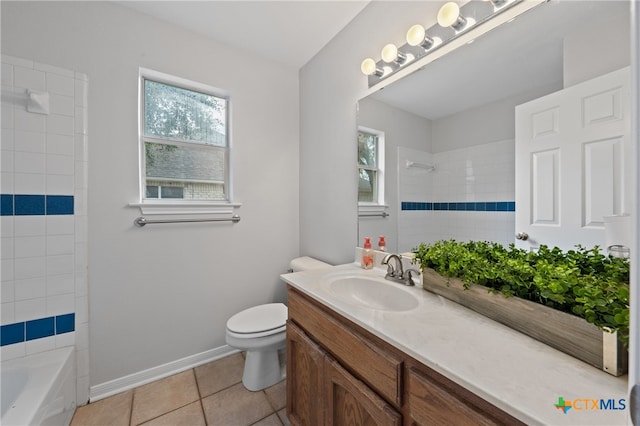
(134, 380)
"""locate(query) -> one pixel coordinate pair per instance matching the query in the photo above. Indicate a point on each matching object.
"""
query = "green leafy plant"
(582, 282)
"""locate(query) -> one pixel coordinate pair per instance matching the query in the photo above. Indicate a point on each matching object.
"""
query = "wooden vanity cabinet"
(340, 374)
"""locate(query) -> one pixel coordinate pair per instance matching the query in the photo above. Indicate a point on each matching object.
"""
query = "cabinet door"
(350, 402)
(435, 400)
(305, 371)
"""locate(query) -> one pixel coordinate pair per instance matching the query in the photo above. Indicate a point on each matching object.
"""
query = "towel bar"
(142, 221)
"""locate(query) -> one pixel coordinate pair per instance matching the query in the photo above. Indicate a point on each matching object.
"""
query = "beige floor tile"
(277, 395)
(272, 420)
(162, 396)
(235, 406)
(283, 417)
(190, 415)
(112, 411)
(218, 375)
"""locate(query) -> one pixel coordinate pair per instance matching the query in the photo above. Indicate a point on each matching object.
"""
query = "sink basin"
(373, 293)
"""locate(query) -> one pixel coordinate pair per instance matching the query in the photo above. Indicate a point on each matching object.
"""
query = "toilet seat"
(258, 321)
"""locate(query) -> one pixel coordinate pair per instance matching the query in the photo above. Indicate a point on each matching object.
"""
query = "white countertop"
(509, 369)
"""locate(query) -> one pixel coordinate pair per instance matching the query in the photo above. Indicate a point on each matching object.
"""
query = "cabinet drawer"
(434, 399)
(380, 369)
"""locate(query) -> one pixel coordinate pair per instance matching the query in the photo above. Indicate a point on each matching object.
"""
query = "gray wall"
(610, 39)
(163, 293)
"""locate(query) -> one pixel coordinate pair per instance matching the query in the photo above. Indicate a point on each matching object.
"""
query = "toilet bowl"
(261, 332)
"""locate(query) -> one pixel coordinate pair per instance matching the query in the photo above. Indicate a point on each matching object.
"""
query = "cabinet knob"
(522, 236)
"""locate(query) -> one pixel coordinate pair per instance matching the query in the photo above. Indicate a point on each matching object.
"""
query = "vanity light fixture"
(497, 3)
(390, 53)
(449, 16)
(417, 36)
(369, 67)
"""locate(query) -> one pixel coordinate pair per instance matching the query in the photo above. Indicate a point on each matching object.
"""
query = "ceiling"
(288, 32)
(519, 56)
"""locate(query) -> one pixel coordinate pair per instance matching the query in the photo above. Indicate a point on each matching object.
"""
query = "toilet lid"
(258, 319)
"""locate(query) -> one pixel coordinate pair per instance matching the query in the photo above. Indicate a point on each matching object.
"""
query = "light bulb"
(368, 66)
(415, 35)
(389, 53)
(449, 16)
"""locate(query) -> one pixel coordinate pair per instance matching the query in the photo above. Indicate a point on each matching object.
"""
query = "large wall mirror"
(448, 130)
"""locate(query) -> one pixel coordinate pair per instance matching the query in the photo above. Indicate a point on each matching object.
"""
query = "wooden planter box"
(565, 332)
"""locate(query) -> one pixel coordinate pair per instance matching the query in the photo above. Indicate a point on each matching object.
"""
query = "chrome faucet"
(391, 271)
(408, 278)
(397, 273)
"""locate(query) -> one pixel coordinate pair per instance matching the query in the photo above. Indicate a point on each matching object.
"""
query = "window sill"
(373, 210)
(185, 207)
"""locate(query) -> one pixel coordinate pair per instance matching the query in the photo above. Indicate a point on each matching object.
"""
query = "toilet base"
(263, 369)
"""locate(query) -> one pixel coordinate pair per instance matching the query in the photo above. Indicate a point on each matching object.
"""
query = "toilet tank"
(306, 263)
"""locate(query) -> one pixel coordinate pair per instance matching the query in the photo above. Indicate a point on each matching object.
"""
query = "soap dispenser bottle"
(382, 244)
(367, 254)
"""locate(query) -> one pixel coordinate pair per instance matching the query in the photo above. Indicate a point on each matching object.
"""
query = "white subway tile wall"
(43, 227)
(416, 185)
(480, 178)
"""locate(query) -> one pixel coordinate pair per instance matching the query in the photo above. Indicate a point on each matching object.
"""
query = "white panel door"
(573, 163)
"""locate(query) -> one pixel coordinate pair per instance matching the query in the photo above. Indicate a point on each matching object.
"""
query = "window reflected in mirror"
(370, 166)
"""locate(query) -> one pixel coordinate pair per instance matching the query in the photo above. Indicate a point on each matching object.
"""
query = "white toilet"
(261, 332)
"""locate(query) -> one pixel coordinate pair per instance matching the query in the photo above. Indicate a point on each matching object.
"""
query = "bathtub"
(39, 389)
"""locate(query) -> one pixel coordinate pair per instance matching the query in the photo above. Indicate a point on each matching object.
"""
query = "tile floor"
(211, 394)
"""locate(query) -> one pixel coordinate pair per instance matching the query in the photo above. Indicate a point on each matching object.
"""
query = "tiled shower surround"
(44, 215)
(469, 196)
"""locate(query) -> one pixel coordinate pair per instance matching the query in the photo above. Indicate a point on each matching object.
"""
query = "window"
(154, 191)
(370, 167)
(184, 140)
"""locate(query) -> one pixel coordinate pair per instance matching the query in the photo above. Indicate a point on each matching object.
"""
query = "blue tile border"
(6, 204)
(411, 205)
(37, 329)
(43, 327)
(65, 323)
(12, 333)
(482, 206)
(59, 204)
(28, 205)
(31, 205)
